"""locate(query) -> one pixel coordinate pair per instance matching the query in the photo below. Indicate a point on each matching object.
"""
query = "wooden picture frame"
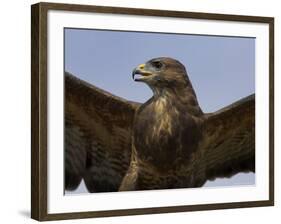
(40, 101)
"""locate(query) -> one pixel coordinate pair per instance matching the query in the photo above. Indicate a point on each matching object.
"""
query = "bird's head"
(168, 77)
(161, 73)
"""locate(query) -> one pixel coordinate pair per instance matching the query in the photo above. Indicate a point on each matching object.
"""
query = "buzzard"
(167, 142)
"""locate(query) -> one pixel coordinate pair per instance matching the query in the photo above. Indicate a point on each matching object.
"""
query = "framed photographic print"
(139, 111)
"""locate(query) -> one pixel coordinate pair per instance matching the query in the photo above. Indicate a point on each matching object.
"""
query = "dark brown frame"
(39, 110)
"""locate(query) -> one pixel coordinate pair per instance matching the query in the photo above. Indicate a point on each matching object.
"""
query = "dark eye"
(157, 64)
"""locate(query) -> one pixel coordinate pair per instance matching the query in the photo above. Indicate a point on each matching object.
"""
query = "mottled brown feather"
(228, 145)
(98, 129)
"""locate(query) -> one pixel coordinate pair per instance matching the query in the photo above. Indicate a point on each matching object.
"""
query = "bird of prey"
(167, 142)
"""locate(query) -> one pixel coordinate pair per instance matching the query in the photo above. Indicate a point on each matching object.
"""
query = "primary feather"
(98, 127)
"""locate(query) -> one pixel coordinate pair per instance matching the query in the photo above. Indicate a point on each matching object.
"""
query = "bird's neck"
(183, 96)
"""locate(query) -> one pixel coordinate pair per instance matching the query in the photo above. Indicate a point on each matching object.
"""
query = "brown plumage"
(167, 142)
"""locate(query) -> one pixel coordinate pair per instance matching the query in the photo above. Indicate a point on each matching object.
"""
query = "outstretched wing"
(98, 129)
(229, 140)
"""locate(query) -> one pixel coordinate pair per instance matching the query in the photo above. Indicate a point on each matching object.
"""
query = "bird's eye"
(157, 64)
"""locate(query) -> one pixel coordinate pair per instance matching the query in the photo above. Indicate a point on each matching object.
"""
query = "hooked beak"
(141, 72)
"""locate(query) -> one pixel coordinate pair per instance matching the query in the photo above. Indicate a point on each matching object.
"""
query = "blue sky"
(221, 69)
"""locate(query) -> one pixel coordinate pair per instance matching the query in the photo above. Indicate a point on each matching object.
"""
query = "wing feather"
(229, 140)
(97, 136)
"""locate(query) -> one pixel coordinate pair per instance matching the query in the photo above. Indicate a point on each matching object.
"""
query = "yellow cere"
(141, 66)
